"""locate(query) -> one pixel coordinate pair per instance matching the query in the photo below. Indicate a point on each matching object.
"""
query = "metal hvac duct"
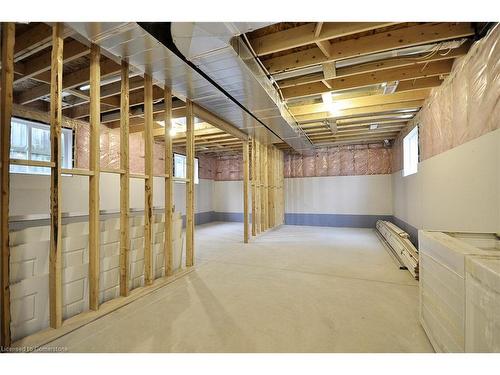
(207, 63)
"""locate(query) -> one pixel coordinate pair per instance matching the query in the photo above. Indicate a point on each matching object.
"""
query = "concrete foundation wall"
(29, 263)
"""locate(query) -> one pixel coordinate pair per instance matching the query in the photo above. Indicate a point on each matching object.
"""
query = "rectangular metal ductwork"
(247, 99)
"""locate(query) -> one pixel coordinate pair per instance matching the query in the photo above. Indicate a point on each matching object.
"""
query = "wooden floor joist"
(55, 256)
(124, 181)
(6, 95)
(94, 166)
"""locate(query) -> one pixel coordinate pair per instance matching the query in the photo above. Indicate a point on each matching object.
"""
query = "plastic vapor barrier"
(464, 107)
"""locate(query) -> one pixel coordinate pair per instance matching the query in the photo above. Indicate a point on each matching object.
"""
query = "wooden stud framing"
(169, 188)
(253, 187)
(6, 94)
(94, 166)
(124, 180)
(189, 184)
(55, 256)
(262, 188)
(265, 201)
(148, 182)
(245, 191)
(267, 187)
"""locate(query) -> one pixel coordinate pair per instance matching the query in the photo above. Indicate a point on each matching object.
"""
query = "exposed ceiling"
(348, 82)
(342, 82)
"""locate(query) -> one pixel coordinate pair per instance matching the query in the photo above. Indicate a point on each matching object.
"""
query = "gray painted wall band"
(199, 218)
(334, 220)
(410, 229)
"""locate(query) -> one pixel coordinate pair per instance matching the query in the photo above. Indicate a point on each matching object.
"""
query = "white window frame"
(66, 144)
(410, 152)
(180, 159)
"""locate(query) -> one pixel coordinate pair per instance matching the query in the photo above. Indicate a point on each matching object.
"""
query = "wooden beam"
(325, 47)
(307, 34)
(169, 188)
(190, 183)
(384, 41)
(216, 121)
(148, 182)
(413, 72)
(94, 160)
(135, 98)
(419, 83)
(6, 94)
(80, 77)
(32, 40)
(55, 250)
(245, 191)
(394, 62)
(137, 114)
(32, 68)
(364, 101)
(363, 111)
(124, 181)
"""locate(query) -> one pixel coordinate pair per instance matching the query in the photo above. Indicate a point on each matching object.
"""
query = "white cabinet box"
(482, 304)
(442, 259)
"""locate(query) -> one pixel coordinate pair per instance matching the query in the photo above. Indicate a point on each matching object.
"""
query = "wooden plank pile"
(399, 246)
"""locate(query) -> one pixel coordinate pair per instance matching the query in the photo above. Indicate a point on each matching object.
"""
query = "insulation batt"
(465, 106)
(340, 161)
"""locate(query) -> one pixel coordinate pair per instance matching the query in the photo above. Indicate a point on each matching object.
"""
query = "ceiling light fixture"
(332, 107)
(373, 126)
(105, 81)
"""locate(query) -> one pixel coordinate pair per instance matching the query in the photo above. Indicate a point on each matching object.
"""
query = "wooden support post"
(263, 200)
(245, 191)
(189, 184)
(257, 187)
(254, 214)
(270, 169)
(124, 180)
(55, 256)
(6, 94)
(94, 166)
(169, 188)
(148, 182)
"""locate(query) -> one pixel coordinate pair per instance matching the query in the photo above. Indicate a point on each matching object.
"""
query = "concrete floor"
(294, 289)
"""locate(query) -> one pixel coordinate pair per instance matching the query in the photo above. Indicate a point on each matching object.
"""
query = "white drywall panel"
(30, 194)
(228, 196)
(359, 195)
(457, 190)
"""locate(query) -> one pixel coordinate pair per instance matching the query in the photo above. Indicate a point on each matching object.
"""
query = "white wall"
(30, 194)
(457, 190)
(360, 195)
(228, 196)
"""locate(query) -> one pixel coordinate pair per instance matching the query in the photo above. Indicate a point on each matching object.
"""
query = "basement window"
(30, 140)
(180, 167)
(410, 152)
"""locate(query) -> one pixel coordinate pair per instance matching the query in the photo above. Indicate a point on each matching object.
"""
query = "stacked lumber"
(399, 246)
